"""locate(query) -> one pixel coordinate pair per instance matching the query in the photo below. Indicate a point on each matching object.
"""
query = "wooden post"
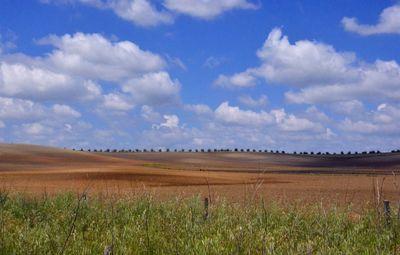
(108, 250)
(206, 208)
(386, 211)
(398, 212)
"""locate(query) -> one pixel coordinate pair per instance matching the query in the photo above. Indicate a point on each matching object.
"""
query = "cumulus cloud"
(205, 9)
(15, 109)
(145, 13)
(235, 115)
(171, 121)
(66, 111)
(153, 89)
(378, 81)
(322, 74)
(95, 57)
(149, 114)
(117, 102)
(19, 109)
(199, 109)
(140, 12)
(303, 63)
(31, 82)
(388, 23)
(251, 102)
(292, 123)
(36, 129)
(239, 80)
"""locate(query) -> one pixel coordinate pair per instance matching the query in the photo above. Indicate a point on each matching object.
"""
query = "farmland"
(58, 201)
(236, 176)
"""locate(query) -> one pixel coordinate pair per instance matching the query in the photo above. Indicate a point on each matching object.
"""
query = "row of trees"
(232, 150)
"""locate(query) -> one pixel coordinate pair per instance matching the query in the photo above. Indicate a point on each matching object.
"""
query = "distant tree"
(167, 150)
(283, 152)
(319, 153)
(202, 150)
(295, 152)
(312, 153)
(190, 150)
(144, 150)
(95, 150)
(378, 152)
(196, 150)
(341, 153)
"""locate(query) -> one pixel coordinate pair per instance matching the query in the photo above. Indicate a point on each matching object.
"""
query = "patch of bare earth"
(236, 176)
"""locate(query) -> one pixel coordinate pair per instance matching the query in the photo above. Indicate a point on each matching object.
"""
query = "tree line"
(232, 150)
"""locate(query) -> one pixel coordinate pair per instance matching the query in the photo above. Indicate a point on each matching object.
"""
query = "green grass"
(141, 225)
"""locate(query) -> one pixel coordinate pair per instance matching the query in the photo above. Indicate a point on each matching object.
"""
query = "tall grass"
(67, 224)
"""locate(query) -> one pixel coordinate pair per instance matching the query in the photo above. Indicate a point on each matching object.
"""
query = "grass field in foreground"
(67, 224)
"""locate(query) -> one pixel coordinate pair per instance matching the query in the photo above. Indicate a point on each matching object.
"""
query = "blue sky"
(287, 75)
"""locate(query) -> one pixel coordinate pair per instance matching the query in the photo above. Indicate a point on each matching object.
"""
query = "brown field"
(238, 176)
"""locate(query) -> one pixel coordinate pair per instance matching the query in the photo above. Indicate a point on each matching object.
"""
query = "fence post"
(398, 211)
(386, 211)
(206, 208)
(108, 250)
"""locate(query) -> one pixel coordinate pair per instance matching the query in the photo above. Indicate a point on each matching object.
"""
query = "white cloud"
(171, 121)
(66, 111)
(378, 81)
(359, 126)
(239, 80)
(293, 123)
(324, 75)
(314, 114)
(206, 9)
(18, 109)
(140, 12)
(350, 107)
(20, 80)
(303, 63)
(148, 113)
(36, 129)
(389, 22)
(144, 13)
(153, 89)
(199, 109)
(95, 57)
(251, 102)
(234, 115)
(117, 102)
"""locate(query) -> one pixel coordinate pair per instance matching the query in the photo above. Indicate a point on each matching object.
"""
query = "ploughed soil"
(242, 177)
